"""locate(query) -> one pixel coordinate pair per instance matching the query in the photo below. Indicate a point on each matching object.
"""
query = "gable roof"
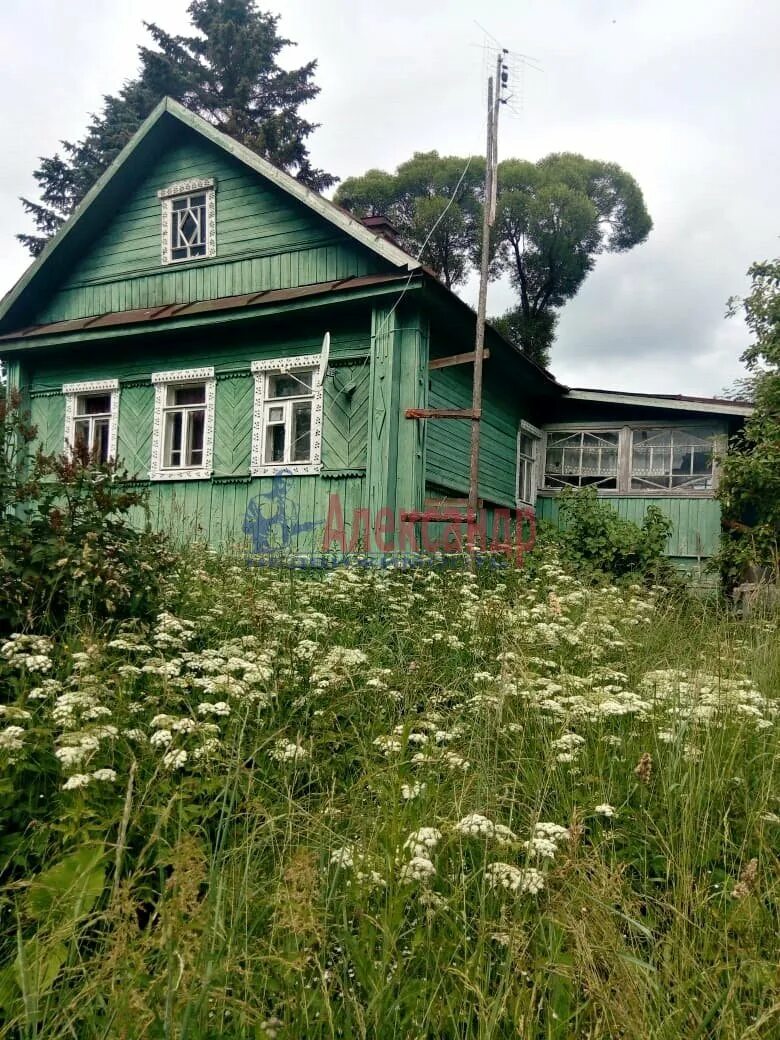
(144, 146)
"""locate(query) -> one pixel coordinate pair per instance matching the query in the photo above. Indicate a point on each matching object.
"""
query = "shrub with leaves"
(749, 487)
(593, 538)
(68, 544)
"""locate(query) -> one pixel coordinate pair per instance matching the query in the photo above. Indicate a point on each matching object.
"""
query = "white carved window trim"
(536, 434)
(161, 381)
(166, 197)
(96, 386)
(261, 371)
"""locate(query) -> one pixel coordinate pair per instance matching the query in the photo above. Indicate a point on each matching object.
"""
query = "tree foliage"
(553, 219)
(749, 487)
(432, 201)
(227, 72)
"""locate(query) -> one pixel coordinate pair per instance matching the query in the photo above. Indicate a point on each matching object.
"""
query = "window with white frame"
(528, 438)
(287, 421)
(91, 417)
(637, 458)
(188, 220)
(672, 459)
(582, 458)
(183, 432)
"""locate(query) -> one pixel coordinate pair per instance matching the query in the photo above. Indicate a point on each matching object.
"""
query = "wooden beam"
(436, 517)
(456, 359)
(441, 413)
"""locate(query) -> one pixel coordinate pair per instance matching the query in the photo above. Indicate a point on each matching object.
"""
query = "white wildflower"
(286, 751)
(104, 775)
(514, 879)
(176, 759)
(410, 791)
(419, 868)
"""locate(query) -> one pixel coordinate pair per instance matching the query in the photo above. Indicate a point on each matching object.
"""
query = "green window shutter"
(233, 425)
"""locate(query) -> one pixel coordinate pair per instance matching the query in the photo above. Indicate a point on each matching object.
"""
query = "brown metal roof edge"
(177, 310)
(666, 397)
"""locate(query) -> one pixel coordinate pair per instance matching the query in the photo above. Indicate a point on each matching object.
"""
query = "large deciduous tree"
(553, 219)
(433, 202)
(749, 485)
(228, 73)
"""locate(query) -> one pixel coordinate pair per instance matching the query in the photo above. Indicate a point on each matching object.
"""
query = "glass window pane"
(173, 431)
(274, 443)
(290, 384)
(301, 442)
(93, 404)
(586, 457)
(667, 457)
(81, 432)
(184, 395)
(100, 439)
(276, 414)
(196, 427)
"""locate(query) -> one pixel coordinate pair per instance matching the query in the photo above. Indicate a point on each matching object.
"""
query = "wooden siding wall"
(448, 440)
(265, 240)
(696, 530)
(216, 509)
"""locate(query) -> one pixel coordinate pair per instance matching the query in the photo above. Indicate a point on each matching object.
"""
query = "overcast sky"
(682, 93)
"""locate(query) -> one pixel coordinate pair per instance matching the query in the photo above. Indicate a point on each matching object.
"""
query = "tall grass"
(264, 884)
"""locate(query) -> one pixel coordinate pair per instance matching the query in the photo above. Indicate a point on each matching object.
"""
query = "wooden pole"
(479, 341)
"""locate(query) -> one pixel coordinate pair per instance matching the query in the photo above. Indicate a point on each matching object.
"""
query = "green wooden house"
(251, 353)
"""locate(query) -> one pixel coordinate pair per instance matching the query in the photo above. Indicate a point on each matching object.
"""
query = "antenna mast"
(495, 89)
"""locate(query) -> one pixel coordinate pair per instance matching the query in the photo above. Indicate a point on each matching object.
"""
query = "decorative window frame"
(94, 386)
(538, 435)
(260, 371)
(625, 430)
(166, 197)
(161, 381)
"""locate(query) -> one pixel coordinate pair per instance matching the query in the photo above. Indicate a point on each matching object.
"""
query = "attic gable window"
(91, 417)
(287, 420)
(188, 220)
(183, 431)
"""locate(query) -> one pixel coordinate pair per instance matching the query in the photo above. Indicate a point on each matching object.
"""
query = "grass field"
(427, 804)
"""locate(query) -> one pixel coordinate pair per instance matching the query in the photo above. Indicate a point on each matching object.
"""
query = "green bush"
(67, 543)
(593, 538)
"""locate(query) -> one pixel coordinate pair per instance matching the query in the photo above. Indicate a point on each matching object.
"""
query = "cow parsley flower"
(514, 879)
(605, 810)
(411, 791)
(419, 868)
(76, 781)
(475, 825)
(104, 775)
(286, 751)
(421, 842)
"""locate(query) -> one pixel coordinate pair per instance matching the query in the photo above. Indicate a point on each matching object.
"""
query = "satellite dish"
(324, 359)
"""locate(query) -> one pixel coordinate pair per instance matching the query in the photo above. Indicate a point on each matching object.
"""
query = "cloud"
(680, 94)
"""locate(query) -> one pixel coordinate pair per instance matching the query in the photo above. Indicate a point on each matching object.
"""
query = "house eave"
(672, 402)
(206, 313)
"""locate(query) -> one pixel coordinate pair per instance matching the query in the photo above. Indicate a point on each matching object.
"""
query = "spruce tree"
(227, 73)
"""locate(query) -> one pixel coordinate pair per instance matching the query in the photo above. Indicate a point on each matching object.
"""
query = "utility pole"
(488, 216)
